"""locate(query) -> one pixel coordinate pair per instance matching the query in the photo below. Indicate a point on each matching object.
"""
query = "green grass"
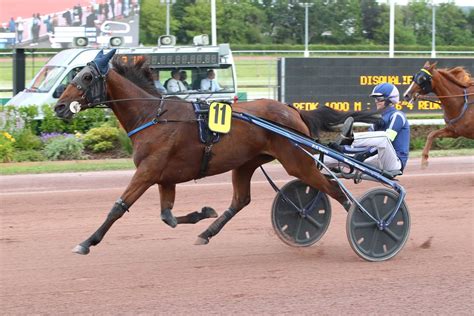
(65, 166)
(6, 70)
(127, 164)
(256, 71)
(444, 153)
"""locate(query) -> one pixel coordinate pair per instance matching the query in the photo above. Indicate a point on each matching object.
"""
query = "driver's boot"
(346, 137)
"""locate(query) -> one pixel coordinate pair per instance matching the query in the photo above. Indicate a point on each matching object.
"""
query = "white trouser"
(386, 158)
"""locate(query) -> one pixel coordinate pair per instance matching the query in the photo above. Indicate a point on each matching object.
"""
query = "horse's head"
(87, 89)
(421, 82)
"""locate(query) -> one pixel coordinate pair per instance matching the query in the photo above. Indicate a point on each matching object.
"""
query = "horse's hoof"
(424, 164)
(81, 250)
(209, 212)
(169, 219)
(201, 241)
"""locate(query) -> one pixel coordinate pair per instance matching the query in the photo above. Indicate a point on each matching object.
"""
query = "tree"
(418, 17)
(404, 35)
(153, 22)
(337, 22)
(178, 11)
(197, 19)
(370, 13)
(240, 22)
(286, 21)
(451, 26)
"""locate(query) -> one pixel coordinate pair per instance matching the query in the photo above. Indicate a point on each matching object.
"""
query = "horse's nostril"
(60, 110)
(59, 107)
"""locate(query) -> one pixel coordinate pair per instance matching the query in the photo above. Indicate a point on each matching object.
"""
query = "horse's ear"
(430, 66)
(110, 54)
(99, 54)
(102, 61)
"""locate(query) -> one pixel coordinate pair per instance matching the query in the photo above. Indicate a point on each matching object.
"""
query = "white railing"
(356, 52)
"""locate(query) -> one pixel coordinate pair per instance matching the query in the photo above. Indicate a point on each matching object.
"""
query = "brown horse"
(455, 89)
(167, 150)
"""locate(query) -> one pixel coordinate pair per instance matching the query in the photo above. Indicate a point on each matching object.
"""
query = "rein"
(464, 108)
(93, 96)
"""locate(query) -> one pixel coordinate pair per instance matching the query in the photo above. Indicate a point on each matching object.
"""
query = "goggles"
(379, 99)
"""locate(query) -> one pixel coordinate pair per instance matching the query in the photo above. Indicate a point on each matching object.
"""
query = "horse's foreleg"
(139, 184)
(167, 197)
(241, 183)
(196, 216)
(444, 132)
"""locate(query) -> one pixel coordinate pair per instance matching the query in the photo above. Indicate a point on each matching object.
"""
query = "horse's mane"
(458, 75)
(138, 73)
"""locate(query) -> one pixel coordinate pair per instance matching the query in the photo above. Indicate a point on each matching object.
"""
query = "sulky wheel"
(304, 221)
(365, 238)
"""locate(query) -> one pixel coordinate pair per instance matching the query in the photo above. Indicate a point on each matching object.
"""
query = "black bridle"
(94, 92)
(423, 80)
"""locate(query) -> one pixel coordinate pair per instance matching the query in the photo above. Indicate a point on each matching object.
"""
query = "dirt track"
(145, 267)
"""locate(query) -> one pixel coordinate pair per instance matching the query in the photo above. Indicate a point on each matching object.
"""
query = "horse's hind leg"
(139, 184)
(167, 197)
(241, 183)
(300, 165)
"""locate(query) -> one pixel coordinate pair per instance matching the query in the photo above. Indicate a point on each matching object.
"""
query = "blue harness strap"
(142, 127)
(205, 134)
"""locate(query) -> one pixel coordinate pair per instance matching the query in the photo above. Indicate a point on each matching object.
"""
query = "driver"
(387, 143)
(210, 83)
(174, 85)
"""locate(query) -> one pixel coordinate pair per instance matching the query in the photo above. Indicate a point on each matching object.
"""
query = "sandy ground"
(144, 267)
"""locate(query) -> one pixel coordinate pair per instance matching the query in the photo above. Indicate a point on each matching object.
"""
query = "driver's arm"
(397, 122)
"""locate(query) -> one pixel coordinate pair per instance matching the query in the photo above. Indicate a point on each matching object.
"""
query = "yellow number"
(220, 117)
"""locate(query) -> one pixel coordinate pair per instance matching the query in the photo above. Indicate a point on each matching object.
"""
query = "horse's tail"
(327, 119)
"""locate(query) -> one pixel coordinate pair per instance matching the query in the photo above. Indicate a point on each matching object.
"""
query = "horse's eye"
(87, 77)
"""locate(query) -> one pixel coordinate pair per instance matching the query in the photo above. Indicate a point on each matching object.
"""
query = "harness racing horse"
(455, 89)
(167, 149)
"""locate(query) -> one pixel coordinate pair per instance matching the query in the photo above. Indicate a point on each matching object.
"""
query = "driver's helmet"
(386, 92)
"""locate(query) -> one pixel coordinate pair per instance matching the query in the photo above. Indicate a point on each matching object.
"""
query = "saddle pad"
(206, 136)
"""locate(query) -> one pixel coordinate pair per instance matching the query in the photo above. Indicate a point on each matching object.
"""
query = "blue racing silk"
(397, 127)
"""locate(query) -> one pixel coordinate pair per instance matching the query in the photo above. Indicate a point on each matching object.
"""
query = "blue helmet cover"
(102, 61)
(388, 91)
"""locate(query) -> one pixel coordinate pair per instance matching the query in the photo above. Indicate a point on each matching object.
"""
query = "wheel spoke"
(387, 216)
(314, 222)
(313, 202)
(300, 221)
(291, 204)
(287, 211)
(374, 205)
(363, 224)
(297, 194)
(373, 242)
(394, 236)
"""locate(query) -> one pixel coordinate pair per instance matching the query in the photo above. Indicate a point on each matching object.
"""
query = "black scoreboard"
(345, 83)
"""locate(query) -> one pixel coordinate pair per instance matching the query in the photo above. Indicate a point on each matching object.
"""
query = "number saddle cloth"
(206, 136)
